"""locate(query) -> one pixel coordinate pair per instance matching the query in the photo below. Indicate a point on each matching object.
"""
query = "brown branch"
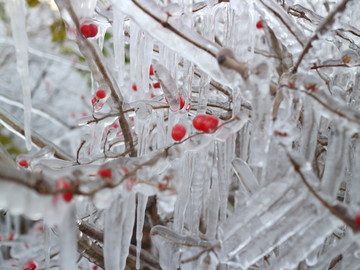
(96, 57)
(78, 151)
(338, 211)
(334, 65)
(146, 257)
(284, 22)
(91, 251)
(328, 22)
(298, 13)
(325, 105)
(172, 29)
(39, 182)
(225, 60)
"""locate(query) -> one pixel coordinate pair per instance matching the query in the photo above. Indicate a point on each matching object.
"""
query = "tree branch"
(330, 19)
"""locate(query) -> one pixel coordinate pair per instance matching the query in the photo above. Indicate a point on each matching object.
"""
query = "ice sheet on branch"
(183, 47)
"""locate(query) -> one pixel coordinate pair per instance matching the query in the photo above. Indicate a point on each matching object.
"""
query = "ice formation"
(273, 186)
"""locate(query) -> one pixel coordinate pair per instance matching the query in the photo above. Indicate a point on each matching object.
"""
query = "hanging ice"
(18, 27)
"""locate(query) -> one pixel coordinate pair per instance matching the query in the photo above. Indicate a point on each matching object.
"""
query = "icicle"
(192, 53)
(247, 179)
(114, 218)
(200, 179)
(135, 61)
(183, 198)
(119, 222)
(335, 162)
(306, 241)
(169, 86)
(223, 180)
(127, 229)
(18, 27)
(119, 46)
(68, 254)
(140, 217)
(146, 56)
(309, 131)
(47, 246)
(213, 203)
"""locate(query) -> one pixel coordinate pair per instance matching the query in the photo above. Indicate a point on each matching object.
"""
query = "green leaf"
(5, 140)
(58, 31)
(33, 3)
(107, 36)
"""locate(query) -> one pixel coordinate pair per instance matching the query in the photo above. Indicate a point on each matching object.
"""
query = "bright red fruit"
(11, 236)
(156, 85)
(182, 102)
(358, 220)
(100, 93)
(23, 163)
(89, 30)
(259, 25)
(62, 183)
(105, 173)
(205, 123)
(134, 87)
(151, 70)
(30, 265)
(178, 132)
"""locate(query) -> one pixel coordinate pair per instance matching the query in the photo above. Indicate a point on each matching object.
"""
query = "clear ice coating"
(268, 180)
(18, 26)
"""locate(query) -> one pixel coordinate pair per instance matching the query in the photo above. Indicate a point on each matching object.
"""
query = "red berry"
(211, 123)
(205, 123)
(178, 132)
(358, 220)
(89, 30)
(182, 102)
(30, 265)
(23, 163)
(100, 93)
(199, 121)
(95, 267)
(156, 85)
(151, 70)
(259, 25)
(93, 101)
(11, 236)
(105, 173)
(62, 183)
(134, 87)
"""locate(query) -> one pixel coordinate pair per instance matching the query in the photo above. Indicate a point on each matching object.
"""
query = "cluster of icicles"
(217, 150)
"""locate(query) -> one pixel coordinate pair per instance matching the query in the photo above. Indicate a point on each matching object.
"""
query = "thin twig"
(335, 210)
(39, 182)
(78, 151)
(14, 125)
(325, 105)
(97, 59)
(330, 19)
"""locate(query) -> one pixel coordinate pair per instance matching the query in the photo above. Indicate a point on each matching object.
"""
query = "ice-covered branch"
(337, 210)
(100, 72)
(325, 26)
(15, 126)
